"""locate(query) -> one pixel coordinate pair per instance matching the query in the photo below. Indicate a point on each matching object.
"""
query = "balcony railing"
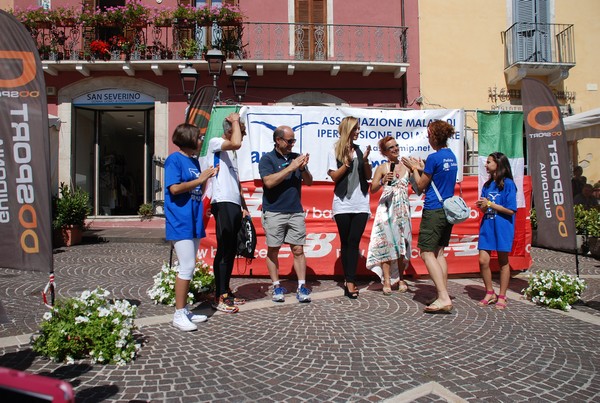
(325, 42)
(543, 44)
(245, 41)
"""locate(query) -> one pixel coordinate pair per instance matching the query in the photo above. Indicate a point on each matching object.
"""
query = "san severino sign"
(113, 96)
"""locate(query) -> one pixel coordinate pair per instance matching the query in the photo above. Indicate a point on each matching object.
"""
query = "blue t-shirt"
(443, 168)
(497, 230)
(285, 197)
(183, 212)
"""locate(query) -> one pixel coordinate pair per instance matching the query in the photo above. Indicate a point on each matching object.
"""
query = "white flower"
(47, 315)
(82, 319)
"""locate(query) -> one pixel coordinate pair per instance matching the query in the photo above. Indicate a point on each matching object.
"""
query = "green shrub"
(71, 207)
(146, 211)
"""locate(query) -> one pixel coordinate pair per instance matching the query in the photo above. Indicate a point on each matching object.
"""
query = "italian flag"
(215, 129)
(502, 132)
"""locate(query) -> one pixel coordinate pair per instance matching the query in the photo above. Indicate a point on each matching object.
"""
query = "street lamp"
(189, 78)
(215, 59)
(240, 79)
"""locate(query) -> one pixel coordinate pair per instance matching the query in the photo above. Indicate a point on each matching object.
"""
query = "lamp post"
(239, 80)
(215, 59)
(189, 79)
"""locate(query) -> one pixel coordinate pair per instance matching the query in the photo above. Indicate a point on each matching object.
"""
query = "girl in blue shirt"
(498, 204)
(183, 213)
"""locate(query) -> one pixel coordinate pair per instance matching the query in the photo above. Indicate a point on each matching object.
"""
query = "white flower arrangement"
(554, 289)
(88, 326)
(163, 290)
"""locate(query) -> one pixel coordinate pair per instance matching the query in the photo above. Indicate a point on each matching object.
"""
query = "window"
(310, 31)
(533, 30)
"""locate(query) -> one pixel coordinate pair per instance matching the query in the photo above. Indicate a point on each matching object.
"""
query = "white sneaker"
(181, 322)
(195, 318)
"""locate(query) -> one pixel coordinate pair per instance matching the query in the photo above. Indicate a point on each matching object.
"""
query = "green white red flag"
(502, 132)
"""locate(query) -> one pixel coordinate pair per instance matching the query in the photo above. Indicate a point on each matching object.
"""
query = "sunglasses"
(290, 141)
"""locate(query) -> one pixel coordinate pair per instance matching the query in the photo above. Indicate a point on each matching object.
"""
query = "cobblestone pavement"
(334, 349)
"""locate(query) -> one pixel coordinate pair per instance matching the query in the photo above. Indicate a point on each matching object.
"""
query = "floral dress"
(391, 235)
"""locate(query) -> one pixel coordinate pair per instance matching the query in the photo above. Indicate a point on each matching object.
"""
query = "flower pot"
(67, 236)
(594, 246)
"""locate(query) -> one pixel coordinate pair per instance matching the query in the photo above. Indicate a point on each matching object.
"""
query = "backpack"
(246, 239)
(455, 207)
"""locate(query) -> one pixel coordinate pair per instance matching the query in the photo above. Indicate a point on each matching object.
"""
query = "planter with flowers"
(161, 17)
(100, 49)
(120, 48)
(132, 14)
(88, 326)
(163, 290)
(554, 289)
(184, 16)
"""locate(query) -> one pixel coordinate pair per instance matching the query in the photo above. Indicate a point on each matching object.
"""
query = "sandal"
(350, 294)
(236, 300)
(226, 304)
(502, 305)
(486, 302)
(437, 307)
(402, 286)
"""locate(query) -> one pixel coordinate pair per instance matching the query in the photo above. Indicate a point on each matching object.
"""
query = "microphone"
(392, 167)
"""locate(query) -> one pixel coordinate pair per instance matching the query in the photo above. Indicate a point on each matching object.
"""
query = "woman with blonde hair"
(350, 170)
(391, 237)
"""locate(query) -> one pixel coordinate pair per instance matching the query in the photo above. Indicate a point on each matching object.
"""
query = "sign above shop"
(113, 96)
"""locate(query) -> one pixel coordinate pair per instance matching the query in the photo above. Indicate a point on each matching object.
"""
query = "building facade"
(474, 54)
(112, 70)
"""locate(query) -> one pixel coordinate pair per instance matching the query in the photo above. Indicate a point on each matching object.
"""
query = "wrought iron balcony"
(533, 49)
(310, 47)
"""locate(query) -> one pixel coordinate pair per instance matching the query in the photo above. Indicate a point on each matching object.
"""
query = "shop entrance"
(112, 149)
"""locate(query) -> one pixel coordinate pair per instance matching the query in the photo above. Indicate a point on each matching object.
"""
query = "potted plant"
(100, 49)
(161, 17)
(593, 231)
(189, 49)
(146, 211)
(184, 16)
(70, 209)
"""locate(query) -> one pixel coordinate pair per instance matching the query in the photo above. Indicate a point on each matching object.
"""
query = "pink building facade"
(117, 108)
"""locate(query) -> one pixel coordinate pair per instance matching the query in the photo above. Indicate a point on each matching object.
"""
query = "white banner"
(316, 130)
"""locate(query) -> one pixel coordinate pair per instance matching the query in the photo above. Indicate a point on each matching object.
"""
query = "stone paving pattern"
(333, 349)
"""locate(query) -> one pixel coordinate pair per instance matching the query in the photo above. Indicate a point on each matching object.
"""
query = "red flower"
(99, 46)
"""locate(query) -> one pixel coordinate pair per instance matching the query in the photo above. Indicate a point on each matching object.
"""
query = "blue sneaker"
(278, 294)
(303, 294)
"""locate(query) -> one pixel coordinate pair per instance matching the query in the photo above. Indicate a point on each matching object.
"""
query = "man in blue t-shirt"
(282, 172)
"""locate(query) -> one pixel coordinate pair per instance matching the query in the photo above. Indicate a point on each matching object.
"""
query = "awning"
(583, 125)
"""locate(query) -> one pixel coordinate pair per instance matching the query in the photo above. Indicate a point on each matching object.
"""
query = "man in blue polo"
(282, 172)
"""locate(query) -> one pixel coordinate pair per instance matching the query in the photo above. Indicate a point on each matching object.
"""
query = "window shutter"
(318, 12)
(533, 37)
(310, 39)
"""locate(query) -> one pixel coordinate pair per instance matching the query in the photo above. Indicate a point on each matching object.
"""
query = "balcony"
(538, 50)
(255, 45)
